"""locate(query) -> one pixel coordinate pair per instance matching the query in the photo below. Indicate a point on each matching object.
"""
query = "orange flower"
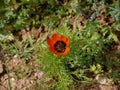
(59, 44)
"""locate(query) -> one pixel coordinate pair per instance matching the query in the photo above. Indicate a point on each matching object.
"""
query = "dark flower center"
(60, 46)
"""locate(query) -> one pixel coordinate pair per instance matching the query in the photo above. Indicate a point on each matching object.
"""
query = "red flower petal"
(55, 36)
(50, 41)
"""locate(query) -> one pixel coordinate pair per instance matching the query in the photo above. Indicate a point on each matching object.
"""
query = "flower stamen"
(60, 46)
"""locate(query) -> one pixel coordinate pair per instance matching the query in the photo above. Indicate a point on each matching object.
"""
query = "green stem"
(9, 84)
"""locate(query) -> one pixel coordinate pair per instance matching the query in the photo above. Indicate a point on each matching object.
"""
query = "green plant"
(114, 10)
(96, 69)
(86, 49)
(24, 14)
